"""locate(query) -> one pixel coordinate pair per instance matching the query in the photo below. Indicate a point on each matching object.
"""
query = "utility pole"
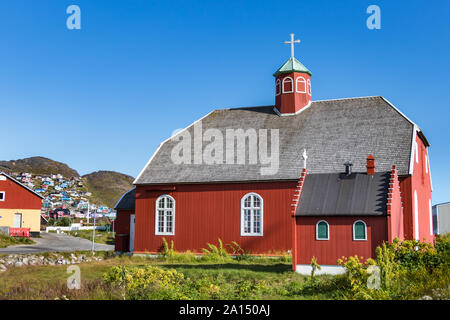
(93, 237)
(88, 212)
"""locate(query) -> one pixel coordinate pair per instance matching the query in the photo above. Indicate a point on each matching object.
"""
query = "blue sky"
(105, 96)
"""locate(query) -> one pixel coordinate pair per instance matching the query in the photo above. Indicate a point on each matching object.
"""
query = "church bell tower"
(292, 85)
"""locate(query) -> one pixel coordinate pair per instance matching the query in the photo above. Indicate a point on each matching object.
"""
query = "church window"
(359, 230)
(288, 85)
(252, 215)
(165, 215)
(322, 230)
(300, 85)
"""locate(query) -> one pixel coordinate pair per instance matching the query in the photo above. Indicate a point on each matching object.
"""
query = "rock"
(426, 298)
(2, 268)
(18, 264)
(25, 261)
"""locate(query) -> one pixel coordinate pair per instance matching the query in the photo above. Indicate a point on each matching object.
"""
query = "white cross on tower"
(292, 44)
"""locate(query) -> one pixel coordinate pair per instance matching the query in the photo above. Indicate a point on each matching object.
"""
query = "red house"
(20, 207)
(234, 174)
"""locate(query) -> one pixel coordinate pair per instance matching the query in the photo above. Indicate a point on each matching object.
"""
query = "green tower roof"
(292, 65)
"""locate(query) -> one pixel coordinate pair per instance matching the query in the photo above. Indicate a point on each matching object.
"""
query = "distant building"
(20, 206)
(441, 218)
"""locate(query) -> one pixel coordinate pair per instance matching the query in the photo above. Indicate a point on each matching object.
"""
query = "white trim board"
(292, 114)
(305, 269)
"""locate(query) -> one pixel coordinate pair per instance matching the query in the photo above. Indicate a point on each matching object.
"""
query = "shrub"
(147, 283)
(216, 253)
(402, 270)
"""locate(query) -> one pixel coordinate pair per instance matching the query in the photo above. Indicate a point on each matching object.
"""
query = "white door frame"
(132, 221)
(16, 215)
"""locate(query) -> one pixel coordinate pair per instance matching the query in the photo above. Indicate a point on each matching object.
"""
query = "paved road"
(52, 242)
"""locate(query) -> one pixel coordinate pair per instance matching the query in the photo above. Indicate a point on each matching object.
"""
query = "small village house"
(441, 218)
(20, 206)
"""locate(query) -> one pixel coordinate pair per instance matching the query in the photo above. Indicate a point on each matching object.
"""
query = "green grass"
(6, 241)
(49, 282)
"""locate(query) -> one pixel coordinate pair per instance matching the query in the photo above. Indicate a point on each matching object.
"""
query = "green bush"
(151, 282)
(216, 253)
(403, 270)
(146, 283)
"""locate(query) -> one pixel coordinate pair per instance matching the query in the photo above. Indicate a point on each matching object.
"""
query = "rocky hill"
(38, 166)
(107, 186)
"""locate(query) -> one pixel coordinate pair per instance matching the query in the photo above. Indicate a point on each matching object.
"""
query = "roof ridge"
(21, 184)
(351, 98)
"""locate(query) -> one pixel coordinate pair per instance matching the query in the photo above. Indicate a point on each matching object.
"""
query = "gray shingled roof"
(335, 194)
(332, 132)
(127, 202)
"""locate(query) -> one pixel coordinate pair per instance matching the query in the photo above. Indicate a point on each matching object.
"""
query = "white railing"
(74, 227)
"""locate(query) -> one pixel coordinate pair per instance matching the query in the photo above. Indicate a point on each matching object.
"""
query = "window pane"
(161, 203)
(169, 221)
(160, 220)
(257, 221)
(360, 231)
(256, 202)
(322, 230)
(247, 221)
(247, 202)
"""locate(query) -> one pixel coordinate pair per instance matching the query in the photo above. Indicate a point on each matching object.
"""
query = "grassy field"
(49, 282)
(6, 241)
(407, 270)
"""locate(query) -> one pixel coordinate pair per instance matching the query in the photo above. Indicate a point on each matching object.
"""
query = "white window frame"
(243, 208)
(309, 86)
(365, 231)
(4, 195)
(292, 85)
(317, 231)
(302, 80)
(157, 232)
(278, 87)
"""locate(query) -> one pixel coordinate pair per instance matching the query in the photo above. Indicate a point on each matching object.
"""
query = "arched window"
(251, 215)
(288, 85)
(309, 87)
(278, 87)
(359, 230)
(322, 230)
(300, 85)
(165, 215)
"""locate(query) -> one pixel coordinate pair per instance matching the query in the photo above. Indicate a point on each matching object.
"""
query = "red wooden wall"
(205, 212)
(420, 181)
(341, 241)
(122, 229)
(18, 197)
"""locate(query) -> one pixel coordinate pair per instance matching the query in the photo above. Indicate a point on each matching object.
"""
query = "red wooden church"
(349, 174)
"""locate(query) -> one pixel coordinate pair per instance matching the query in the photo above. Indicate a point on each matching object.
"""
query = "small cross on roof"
(292, 42)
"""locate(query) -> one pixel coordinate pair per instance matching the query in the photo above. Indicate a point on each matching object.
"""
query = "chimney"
(348, 167)
(370, 165)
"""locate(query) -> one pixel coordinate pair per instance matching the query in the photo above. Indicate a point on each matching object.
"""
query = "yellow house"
(20, 206)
